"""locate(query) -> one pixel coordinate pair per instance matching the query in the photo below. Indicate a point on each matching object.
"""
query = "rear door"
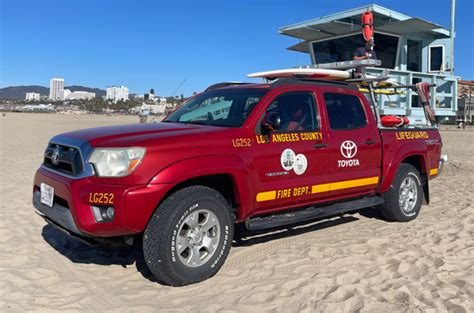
(355, 145)
(289, 160)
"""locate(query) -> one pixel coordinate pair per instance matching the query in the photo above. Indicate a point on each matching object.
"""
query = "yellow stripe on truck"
(433, 171)
(266, 196)
(345, 184)
(320, 188)
(353, 183)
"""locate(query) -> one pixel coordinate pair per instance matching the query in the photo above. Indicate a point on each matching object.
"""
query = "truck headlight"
(116, 162)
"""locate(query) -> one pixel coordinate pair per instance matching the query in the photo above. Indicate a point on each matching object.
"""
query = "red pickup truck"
(264, 155)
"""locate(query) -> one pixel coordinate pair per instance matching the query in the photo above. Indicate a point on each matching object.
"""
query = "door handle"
(320, 145)
(370, 142)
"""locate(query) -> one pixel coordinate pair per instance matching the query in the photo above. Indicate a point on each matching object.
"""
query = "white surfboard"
(313, 73)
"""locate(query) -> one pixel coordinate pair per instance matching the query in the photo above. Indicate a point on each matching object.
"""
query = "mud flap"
(426, 192)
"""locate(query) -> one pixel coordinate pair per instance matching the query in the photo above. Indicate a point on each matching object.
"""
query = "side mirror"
(272, 121)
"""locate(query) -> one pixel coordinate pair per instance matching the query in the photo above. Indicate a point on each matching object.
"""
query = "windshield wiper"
(197, 123)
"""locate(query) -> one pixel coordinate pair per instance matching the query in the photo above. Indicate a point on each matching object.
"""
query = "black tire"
(168, 226)
(392, 210)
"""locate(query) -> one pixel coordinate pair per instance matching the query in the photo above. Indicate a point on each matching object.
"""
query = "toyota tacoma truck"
(261, 155)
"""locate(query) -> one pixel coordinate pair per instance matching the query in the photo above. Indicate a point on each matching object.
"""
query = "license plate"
(47, 194)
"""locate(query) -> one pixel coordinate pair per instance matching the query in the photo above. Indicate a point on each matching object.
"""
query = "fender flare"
(206, 165)
(393, 164)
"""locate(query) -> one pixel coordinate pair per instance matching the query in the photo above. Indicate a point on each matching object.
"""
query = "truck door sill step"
(259, 223)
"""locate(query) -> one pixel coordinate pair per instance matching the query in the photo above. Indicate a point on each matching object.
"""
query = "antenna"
(179, 86)
(172, 95)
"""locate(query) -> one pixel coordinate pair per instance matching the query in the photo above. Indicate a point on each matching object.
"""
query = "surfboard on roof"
(313, 73)
(309, 73)
(324, 74)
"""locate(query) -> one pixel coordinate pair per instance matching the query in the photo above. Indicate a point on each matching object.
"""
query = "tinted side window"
(297, 112)
(344, 111)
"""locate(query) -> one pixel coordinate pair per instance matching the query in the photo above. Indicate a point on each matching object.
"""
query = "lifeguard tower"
(411, 49)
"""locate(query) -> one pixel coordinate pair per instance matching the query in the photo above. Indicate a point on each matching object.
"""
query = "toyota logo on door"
(349, 151)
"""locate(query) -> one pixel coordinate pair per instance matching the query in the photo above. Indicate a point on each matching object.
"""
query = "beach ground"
(354, 263)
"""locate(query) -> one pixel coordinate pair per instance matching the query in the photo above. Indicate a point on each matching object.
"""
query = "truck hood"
(98, 135)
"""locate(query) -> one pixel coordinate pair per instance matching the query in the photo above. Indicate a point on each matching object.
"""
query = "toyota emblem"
(348, 149)
(55, 156)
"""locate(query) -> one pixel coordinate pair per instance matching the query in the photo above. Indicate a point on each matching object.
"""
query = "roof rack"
(343, 65)
(224, 84)
(306, 81)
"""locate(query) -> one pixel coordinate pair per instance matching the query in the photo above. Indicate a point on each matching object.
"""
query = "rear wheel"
(189, 236)
(403, 199)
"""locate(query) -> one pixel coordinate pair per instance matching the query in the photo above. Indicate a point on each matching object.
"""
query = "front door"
(291, 157)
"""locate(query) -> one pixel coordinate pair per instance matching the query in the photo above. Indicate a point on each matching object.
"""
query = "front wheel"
(403, 199)
(189, 236)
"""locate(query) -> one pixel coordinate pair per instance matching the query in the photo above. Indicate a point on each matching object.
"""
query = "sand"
(355, 263)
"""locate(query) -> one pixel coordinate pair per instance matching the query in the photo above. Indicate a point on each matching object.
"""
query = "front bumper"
(58, 215)
(61, 218)
(72, 212)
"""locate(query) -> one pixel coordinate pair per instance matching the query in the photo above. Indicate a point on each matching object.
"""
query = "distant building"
(466, 101)
(37, 108)
(146, 109)
(32, 96)
(66, 93)
(150, 95)
(80, 95)
(56, 89)
(117, 93)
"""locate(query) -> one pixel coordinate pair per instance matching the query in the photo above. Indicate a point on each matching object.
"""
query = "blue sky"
(157, 44)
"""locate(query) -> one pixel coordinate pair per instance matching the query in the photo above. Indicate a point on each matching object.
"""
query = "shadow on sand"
(80, 252)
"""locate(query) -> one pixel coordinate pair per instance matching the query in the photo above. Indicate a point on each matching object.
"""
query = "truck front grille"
(63, 159)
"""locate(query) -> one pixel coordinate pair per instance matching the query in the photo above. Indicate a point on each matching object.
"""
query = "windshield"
(228, 107)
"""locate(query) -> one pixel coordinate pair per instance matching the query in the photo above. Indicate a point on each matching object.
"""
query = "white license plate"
(47, 194)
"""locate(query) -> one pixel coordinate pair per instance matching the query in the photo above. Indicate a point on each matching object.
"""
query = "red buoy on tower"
(368, 25)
